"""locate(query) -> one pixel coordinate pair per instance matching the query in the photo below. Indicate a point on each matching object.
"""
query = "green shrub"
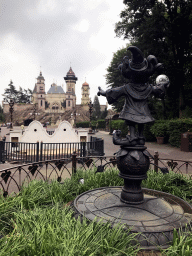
(119, 125)
(176, 128)
(148, 134)
(101, 124)
(84, 124)
(160, 128)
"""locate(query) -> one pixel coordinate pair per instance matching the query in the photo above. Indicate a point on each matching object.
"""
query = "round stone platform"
(155, 218)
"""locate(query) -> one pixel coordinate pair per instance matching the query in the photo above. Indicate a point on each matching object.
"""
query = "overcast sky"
(54, 34)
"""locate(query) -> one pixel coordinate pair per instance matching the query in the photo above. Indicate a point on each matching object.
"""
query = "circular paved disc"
(155, 218)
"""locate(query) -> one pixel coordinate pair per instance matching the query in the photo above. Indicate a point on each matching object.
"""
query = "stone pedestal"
(133, 164)
(154, 219)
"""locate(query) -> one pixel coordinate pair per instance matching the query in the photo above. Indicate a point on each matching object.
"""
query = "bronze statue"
(135, 111)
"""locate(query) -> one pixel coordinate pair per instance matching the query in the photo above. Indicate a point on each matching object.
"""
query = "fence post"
(102, 150)
(41, 151)
(1, 151)
(84, 149)
(37, 153)
(74, 163)
(156, 158)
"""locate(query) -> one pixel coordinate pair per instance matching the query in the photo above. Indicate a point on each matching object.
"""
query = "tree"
(114, 77)
(21, 96)
(104, 113)
(96, 108)
(164, 29)
(10, 92)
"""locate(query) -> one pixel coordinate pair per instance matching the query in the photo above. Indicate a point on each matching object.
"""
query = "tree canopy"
(19, 96)
(96, 108)
(164, 29)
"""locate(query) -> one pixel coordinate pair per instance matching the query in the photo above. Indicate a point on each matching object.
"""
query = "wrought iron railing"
(21, 152)
(11, 179)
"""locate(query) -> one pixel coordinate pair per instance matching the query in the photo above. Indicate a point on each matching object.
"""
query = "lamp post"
(90, 114)
(11, 110)
(34, 113)
(73, 116)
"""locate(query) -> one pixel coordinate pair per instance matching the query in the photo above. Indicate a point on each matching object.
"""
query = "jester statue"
(133, 158)
(135, 111)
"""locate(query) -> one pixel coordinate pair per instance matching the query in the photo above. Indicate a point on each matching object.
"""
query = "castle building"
(85, 92)
(56, 100)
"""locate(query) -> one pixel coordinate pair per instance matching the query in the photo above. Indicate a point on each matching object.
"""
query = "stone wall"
(17, 107)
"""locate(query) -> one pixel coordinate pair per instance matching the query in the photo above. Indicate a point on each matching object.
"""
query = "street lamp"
(34, 113)
(11, 110)
(74, 115)
(90, 113)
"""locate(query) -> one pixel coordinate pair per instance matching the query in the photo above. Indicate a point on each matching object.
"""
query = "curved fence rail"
(11, 179)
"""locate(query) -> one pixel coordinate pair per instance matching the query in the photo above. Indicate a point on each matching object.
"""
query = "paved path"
(164, 150)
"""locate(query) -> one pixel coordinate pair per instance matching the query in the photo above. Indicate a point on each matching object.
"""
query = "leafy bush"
(101, 124)
(160, 128)
(148, 134)
(119, 125)
(84, 124)
(176, 128)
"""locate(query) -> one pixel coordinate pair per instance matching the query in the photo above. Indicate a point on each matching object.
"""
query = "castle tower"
(85, 91)
(39, 92)
(70, 89)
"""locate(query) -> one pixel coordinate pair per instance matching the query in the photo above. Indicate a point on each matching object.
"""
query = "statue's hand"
(101, 92)
(166, 84)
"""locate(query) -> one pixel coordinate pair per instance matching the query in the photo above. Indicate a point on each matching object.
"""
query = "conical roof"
(70, 75)
(40, 77)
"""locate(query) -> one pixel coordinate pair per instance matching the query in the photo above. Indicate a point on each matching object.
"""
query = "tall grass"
(36, 221)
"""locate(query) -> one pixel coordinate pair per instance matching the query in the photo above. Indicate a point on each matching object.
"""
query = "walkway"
(164, 150)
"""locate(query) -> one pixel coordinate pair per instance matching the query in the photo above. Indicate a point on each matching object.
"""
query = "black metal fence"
(11, 179)
(21, 152)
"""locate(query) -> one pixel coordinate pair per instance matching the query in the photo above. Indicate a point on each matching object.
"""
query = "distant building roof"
(55, 89)
(70, 75)
(85, 84)
(40, 77)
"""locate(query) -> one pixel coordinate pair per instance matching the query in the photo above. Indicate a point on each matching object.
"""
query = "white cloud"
(17, 63)
(82, 26)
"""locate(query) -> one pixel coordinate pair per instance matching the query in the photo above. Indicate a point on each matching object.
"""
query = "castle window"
(41, 102)
(55, 106)
(69, 103)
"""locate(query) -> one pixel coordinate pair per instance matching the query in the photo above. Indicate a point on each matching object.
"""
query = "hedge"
(176, 128)
(119, 125)
(173, 129)
(85, 124)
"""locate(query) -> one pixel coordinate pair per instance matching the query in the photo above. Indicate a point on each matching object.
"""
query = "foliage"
(2, 118)
(114, 77)
(176, 128)
(119, 125)
(164, 29)
(101, 124)
(104, 113)
(37, 222)
(84, 124)
(147, 133)
(160, 128)
(20, 96)
(96, 108)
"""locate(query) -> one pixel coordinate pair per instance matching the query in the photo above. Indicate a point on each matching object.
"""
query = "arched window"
(41, 103)
(55, 106)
